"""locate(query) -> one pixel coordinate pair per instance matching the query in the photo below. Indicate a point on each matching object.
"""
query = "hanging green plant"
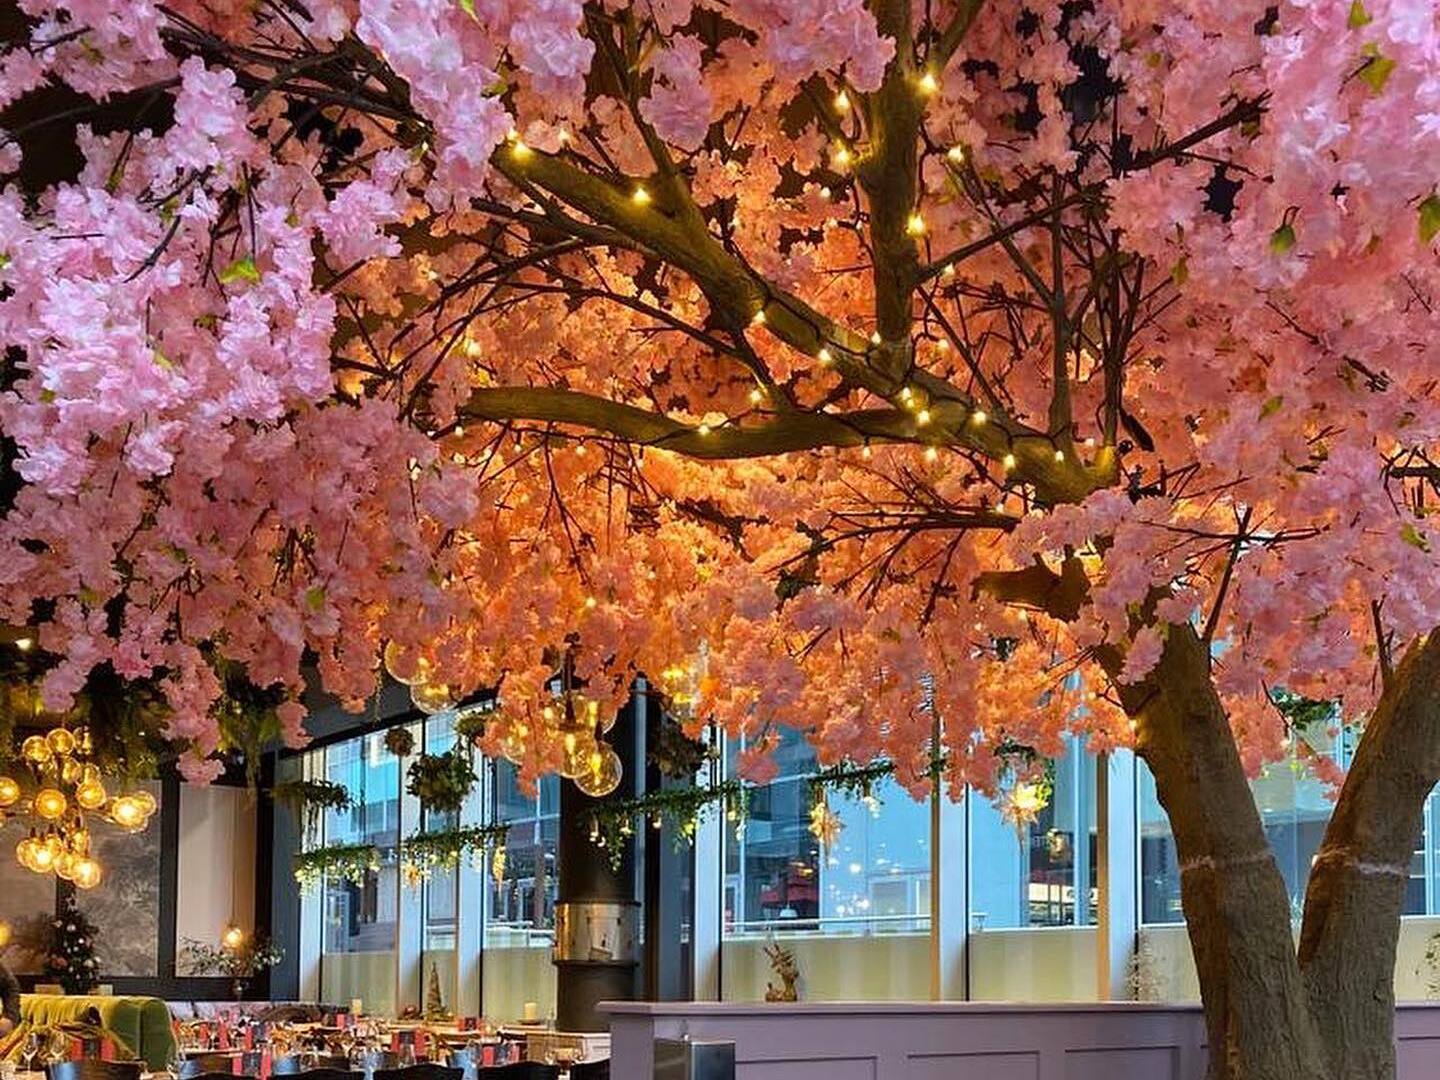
(441, 782)
(443, 849)
(400, 741)
(346, 862)
(309, 799)
(470, 721)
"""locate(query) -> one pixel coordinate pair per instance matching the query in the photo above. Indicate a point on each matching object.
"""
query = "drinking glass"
(32, 1048)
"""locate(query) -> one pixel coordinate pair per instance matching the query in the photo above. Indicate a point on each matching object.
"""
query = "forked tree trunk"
(1237, 910)
(1328, 1012)
(1357, 886)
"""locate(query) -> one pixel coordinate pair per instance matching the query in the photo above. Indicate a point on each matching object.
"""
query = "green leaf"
(1376, 72)
(315, 597)
(1283, 239)
(468, 6)
(1181, 272)
(240, 270)
(1358, 15)
(1414, 537)
(4, 261)
(161, 360)
(1429, 218)
(1272, 406)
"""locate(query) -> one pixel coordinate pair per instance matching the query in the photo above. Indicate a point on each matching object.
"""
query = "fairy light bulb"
(842, 102)
(758, 319)
(922, 417)
(703, 429)
(865, 452)
(519, 150)
(640, 197)
(50, 803)
(948, 271)
(842, 157)
(61, 741)
(1008, 461)
(433, 697)
(25, 644)
(42, 858)
(233, 937)
(36, 750)
(915, 224)
(756, 396)
(931, 454)
(9, 791)
(978, 417)
(1059, 455)
(956, 154)
(824, 356)
(928, 84)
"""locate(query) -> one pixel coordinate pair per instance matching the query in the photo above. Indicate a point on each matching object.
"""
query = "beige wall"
(892, 967)
(216, 863)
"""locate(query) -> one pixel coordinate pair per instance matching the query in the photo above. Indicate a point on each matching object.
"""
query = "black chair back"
(93, 1070)
(424, 1071)
(327, 1074)
(293, 1064)
(521, 1070)
(590, 1070)
(206, 1065)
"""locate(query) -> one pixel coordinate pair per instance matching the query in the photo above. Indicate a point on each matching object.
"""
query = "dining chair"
(293, 1064)
(203, 1064)
(521, 1070)
(327, 1074)
(590, 1070)
(93, 1070)
(424, 1071)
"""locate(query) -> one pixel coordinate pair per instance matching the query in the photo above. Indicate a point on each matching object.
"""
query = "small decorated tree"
(70, 957)
(434, 999)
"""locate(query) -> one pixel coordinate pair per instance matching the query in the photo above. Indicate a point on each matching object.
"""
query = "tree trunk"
(1357, 886)
(1237, 909)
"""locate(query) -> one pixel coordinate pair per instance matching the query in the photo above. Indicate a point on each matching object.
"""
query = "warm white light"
(758, 319)
(824, 357)
(24, 644)
(1009, 462)
(703, 429)
(233, 937)
(842, 157)
(865, 453)
(756, 396)
(915, 226)
(640, 196)
(519, 150)
(590, 602)
(949, 270)
(875, 338)
(932, 454)
(1059, 455)
(956, 153)
(978, 416)
(842, 102)
(943, 345)
(928, 83)
(922, 417)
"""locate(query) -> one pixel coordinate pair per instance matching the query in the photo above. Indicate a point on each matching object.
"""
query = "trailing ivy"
(347, 862)
(445, 848)
(309, 799)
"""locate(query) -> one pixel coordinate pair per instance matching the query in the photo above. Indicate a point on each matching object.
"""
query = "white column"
(409, 907)
(312, 903)
(470, 902)
(1117, 867)
(709, 894)
(949, 897)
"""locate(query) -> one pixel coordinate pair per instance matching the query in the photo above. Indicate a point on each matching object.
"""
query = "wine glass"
(31, 1049)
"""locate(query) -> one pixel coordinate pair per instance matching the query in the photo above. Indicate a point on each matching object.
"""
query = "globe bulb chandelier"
(66, 786)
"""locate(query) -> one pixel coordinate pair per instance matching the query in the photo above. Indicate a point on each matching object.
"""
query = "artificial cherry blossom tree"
(1033, 369)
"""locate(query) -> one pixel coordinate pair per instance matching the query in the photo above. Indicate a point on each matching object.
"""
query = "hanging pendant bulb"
(145, 800)
(406, 664)
(602, 774)
(85, 873)
(577, 746)
(9, 791)
(50, 803)
(91, 794)
(432, 698)
(36, 750)
(61, 741)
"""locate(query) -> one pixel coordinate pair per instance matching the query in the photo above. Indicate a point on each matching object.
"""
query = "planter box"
(958, 1041)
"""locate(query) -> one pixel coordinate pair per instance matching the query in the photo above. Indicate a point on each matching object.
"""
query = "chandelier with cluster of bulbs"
(67, 786)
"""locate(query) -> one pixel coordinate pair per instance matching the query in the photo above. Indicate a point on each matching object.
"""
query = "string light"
(865, 452)
(1059, 455)
(563, 136)
(703, 429)
(948, 271)
(956, 153)
(842, 102)
(922, 417)
(929, 84)
(931, 454)
(842, 157)
(756, 396)
(875, 338)
(1008, 461)
(1090, 443)
(758, 319)
(519, 150)
(24, 644)
(915, 226)
(824, 357)
(640, 196)
(590, 603)
(943, 345)
(978, 417)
